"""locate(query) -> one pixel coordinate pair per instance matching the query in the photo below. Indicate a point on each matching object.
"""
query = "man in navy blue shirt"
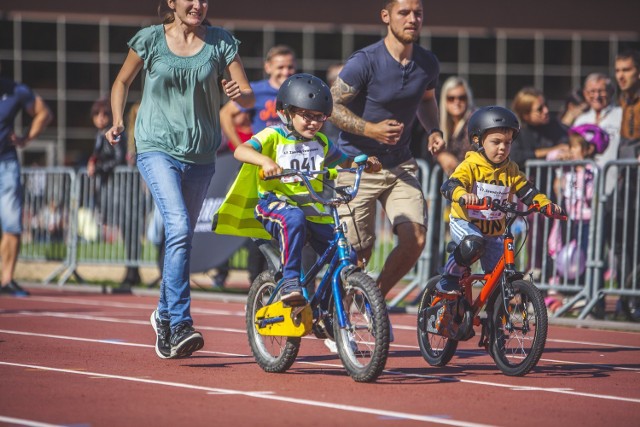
(14, 97)
(378, 95)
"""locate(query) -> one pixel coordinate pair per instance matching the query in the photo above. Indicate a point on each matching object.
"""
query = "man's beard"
(405, 39)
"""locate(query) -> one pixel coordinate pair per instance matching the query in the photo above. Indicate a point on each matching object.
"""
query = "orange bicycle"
(514, 330)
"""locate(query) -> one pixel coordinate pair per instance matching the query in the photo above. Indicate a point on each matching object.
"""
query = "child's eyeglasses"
(461, 98)
(311, 117)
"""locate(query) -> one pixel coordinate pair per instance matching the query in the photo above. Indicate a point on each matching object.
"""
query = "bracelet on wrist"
(436, 130)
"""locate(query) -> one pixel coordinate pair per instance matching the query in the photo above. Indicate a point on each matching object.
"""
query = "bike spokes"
(520, 323)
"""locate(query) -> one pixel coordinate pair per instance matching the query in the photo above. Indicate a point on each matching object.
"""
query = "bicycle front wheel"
(272, 353)
(364, 347)
(436, 349)
(519, 328)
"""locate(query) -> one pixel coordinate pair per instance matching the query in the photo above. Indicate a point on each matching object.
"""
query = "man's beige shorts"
(398, 191)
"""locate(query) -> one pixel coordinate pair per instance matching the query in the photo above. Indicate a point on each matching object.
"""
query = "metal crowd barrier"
(75, 219)
(47, 216)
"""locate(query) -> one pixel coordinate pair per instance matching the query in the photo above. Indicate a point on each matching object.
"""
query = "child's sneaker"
(291, 293)
(448, 285)
(185, 340)
(163, 334)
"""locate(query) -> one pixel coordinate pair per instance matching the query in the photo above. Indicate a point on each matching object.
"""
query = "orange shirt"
(630, 128)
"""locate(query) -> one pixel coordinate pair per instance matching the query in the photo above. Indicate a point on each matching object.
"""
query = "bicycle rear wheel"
(519, 329)
(364, 347)
(272, 353)
(436, 349)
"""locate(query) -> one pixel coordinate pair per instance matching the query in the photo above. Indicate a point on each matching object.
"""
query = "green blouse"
(180, 109)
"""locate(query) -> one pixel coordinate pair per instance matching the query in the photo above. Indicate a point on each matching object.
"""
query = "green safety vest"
(236, 214)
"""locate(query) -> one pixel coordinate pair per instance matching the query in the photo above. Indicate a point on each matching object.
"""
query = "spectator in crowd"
(279, 65)
(574, 105)
(540, 134)
(14, 98)
(598, 92)
(102, 162)
(628, 77)
(177, 135)
(627, 68)
(377, 97)
(576, 186)
(456, 106)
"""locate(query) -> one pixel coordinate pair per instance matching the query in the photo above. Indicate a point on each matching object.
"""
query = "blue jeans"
(178, 190)
(494, 249)
(10, 196)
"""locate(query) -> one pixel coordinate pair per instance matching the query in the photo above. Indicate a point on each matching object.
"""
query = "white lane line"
(568, 391)
(149, 307)
(243, 331)
(108, 341)
(390, 372)
(561, 341)
(259, 395)
(29, 423)
(241, 313)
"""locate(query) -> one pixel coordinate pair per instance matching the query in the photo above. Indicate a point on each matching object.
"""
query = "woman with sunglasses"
(541, 133)
(456, 106)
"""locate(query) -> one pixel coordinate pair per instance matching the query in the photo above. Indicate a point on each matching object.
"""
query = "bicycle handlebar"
(510, 207)
(346, 194)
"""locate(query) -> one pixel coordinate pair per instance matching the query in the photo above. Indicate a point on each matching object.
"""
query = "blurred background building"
(70, 51)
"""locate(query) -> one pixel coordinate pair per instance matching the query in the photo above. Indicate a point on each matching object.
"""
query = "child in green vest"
(284, 207)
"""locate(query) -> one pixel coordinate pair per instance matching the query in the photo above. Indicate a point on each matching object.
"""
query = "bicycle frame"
(505, 266)
(336, 256)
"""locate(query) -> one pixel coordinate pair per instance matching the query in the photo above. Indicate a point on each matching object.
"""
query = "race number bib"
(499, 193)
(306, 156)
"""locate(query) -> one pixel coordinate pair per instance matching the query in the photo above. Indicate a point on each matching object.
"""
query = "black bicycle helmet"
(306, 92)
(492, 117)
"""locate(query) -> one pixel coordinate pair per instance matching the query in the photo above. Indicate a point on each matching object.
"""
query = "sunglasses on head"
(451, 98)
(541, 108)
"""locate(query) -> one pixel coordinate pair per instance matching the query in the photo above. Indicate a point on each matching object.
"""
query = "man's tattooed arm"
(342, 117)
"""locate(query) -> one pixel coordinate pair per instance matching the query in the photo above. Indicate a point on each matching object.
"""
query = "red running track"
(87, 359)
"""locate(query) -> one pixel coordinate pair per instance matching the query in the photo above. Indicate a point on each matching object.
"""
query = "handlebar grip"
(361, 159)
(548, 212)
(485, 204)
(285, 172)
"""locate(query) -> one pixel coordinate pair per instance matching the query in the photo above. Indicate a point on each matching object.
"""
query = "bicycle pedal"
(295, 311)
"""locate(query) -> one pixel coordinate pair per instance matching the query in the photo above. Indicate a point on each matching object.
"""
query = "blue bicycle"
(347, 305)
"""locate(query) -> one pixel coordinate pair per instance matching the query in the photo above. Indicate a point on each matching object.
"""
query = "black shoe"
(163, 334)
(291, 293)
(13, 289)
(448, 285)
(185, 340)
(218, 281)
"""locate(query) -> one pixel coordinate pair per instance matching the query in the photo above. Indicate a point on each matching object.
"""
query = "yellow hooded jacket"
(476, 174)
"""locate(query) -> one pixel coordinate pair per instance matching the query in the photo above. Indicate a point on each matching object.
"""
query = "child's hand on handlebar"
(270, 168)
(554, 211)
(469, 199)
